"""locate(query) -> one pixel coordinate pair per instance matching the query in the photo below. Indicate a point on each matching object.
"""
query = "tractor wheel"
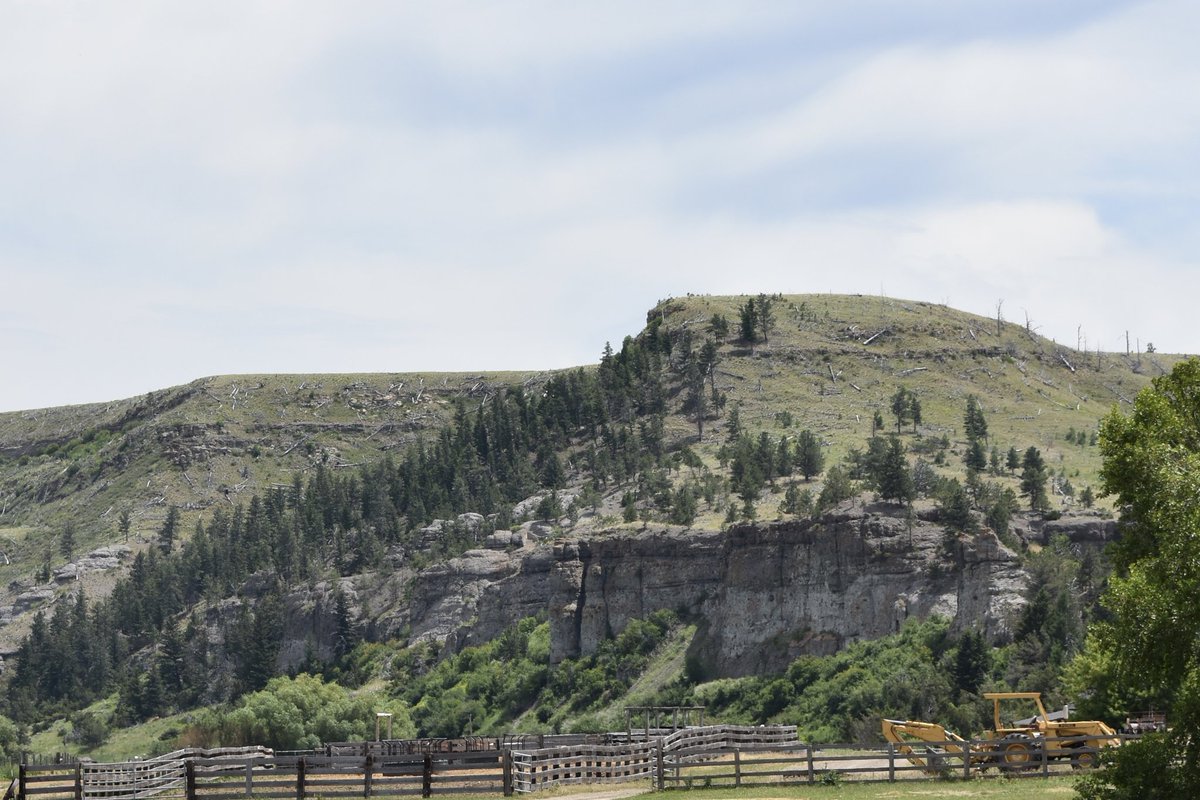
(1084, 760)
(1017, 752)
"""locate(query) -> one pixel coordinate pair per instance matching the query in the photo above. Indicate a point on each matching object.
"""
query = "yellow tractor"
(1018, 745)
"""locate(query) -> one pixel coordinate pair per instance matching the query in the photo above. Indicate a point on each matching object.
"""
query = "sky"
(193, 189)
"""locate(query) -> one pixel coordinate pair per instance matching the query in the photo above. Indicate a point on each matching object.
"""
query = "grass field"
(1000, 789)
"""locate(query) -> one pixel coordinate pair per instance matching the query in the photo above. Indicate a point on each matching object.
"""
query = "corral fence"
(709, 756)
(189, 776)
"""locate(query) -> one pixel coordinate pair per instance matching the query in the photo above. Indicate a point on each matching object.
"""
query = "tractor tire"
(1084, 760)
(1018, 751)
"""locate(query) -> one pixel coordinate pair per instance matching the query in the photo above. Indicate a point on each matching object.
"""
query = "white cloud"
(475, 186)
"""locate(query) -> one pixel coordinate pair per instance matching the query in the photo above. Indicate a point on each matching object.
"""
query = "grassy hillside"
(829, 363)
(622, 434)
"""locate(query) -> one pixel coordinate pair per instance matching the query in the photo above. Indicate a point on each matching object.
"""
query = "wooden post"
(249, 776)
(78, 781)
(368, 775)
(967, 759)
(507, 768)
(1045, 758)
(737, 766)
(658, 760)
(891, 762)
(300, 770)
(811, 774)
(427, 776)
(21, 782)
(189, 778)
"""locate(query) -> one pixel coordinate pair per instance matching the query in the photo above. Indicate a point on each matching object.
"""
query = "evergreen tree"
(809, 458)
(766, 316)
(901, 407)
(748, 315)
(1012, 460)
(838, 487)
(955, 507)
(972, 662)
(974, 423)
(170, 527)
(895, 481)
(718, 327)
(1033, 479)
(976, 457)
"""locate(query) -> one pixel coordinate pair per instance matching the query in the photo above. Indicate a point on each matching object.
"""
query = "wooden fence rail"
(297, 777)
(719, 756)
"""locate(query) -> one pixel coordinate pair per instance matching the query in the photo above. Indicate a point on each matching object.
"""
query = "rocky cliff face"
(764, 593)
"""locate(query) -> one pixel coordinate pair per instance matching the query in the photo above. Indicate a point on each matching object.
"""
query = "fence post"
(368, 774)
(506, 766)
(1045, 758)
(658, 761)
(967, 758)
(189, 779)
(78, 781)
(811, 775)
(300, 770)
(21, 782)
(249, 776)
(891, 762)
(737, 766)
(427, 776)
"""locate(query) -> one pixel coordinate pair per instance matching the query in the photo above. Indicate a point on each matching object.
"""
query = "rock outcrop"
(764, 593)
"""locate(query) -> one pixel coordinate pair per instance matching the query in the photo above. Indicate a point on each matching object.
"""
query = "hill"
(295, 510)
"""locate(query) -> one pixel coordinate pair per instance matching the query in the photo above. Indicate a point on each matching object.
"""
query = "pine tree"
(1033, 479)
(901, 407)
(974, 423)
(766, 316)
(809, 458)
(170, 527)
(972, 662)
(895, 481)
(976, 457)
(1012, 460)
(748, 316)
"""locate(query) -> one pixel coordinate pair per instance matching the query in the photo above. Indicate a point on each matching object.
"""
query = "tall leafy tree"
(1152, 467)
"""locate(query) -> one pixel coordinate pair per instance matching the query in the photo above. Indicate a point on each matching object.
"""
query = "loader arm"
(932, 739)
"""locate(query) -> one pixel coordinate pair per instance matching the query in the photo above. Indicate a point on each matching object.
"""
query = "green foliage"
(906, 675)
(1143, 770)
(974, 424)
(955, 506)
(484, 689)
(1152, 465)
(893, 480)
(1033, 479)
(838, 487)
(810, 460)
(300, 713)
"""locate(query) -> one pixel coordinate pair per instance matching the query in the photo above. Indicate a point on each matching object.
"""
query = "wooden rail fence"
(264, 776)
(718, 756)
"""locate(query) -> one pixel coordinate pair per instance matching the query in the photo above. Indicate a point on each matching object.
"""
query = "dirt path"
(608, 794)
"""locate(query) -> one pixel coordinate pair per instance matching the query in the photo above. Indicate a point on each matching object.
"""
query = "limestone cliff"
(763, 593)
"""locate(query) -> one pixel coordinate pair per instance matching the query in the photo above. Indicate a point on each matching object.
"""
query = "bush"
(1139, 771)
